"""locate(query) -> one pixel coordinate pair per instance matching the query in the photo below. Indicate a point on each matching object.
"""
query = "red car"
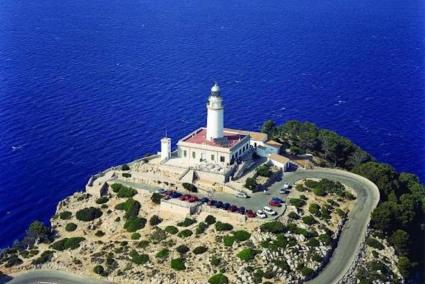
(184, 197)
(250, 214)
(275, 203)
(233, 208)
(192, 198)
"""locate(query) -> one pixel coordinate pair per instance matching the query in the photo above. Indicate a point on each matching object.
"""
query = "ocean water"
(85, 85)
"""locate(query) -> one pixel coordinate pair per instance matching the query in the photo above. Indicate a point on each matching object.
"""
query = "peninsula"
(290, 204)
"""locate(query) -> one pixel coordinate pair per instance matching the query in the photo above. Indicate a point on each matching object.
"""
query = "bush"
(190, 187)
(247, 254)
(102, 200)
(158, 235)
(134, 224)
(241, 235)
(313, 242)
(143, 244)
(182, 249)
(126, 192)
(65, 215)
(309, 220)
(88, 214)
(219, 226)
(138, 258)
(300, 188)
(340, 212)
(215, 260)
(98, 269)
(67, 243)
(186, 222)
(178, 264)
(70, 227)
(251, 184)
(185, 233)
(201, 228)
(372, 242)
(325, 239)
(306, 271)
(298, 203)
(171, 230)
(131, 208)
(116, 187)
(45, 256)
(314, 209)
(156, 198)
(264, 170)
(125, 167)
(126, 175)
(99, 233)
(319, 191)
(154, 220)
(218, 279)
(293, 215)
(135, 236)
(210, 219)
(274, 227)
(200, 250)
(228, 240)
(162, 254)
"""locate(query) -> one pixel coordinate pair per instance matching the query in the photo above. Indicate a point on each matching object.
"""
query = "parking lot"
(227, 201)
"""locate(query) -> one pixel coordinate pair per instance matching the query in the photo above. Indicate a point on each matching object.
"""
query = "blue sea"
(85, 85)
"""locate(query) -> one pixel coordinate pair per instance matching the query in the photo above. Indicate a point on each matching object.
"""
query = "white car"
(241, 194)
(261, 214)
(269, 211)
(286, 186)
(284, 191)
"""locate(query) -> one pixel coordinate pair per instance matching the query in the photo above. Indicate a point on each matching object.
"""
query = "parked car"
(250, 214)
(275, 203)
(261, 214)
(219, 204)
(284, 191)
(192, 198)
(175, 194)
(160, 191)
(242, 194)
(278, 199)
(204, 200)
(241, 210)
(286, 186)
(184, 197)
(269, 211)
(212, 202)
(233, 208)
(226, 206)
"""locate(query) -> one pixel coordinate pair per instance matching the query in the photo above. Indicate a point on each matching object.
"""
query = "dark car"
(241, 210)
(226, 206)
(212, 202)
(250, 213)
(233, 208)
(204, 200)
(219, 204)
(277, 199)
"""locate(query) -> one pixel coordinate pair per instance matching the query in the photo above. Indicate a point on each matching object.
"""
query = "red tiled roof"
(199, 137)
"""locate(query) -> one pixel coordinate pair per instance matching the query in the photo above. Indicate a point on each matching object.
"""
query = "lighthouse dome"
(215, 89)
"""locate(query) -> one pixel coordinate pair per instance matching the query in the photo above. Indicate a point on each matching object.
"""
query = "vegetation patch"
(219, 226)
(219, 278)
(274, 227)
(65, 215)
(182, 249)
(297, 202)
(155, 220)
(67, 243)
(186, 222)
(138, 258)
(70, 227)
(200, 250)
(45, 256)
(178, 264)
(247, 254)
(185, 233)
(171, 230)
(210, 219)
(88, 214)
(123, 191)
(190, 187)
(162, 254)
(134, 224)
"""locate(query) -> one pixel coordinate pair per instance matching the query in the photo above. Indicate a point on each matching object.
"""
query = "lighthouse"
(215, 114)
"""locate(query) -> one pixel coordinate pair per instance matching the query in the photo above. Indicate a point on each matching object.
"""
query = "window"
(193, 155)
(184, 153)
(222, 159)
(212, 157)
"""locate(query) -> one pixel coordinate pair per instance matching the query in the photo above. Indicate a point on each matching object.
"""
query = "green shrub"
(135, 236)
(300, 188)
(228, 240)
(125, 167)
(70, 227)
(274, 227)
(88, 214)
(298, 203)
(293, 215)
(340, 212)
(134, 224)
(143, 244)
(210, 219)
(241, 235)
(215, 260)
(311, 183)
(116, 187)
(131, 208)
(98, 269)
(102, 200)
(99, 233)
(251, 184)
(218, 279)
(264, 170)
(200, 250)
(186, 222)
(65, 215)
(154, 220)
(162, 254)
(201, 228)
(325, 239)
(319, 191)
(314, 209)
(45, 256)
(185, 233)
(182, 249)
(219, 226)
(190, 187)
(307, 272)
(316, 257)
(309, 220)
(126, 192)
(67, 243)
(178, 264)
(247, 254)
(158, 235)
(313, 242)
(138, 258)
(156, 198)
(171, 230)
(372, 242)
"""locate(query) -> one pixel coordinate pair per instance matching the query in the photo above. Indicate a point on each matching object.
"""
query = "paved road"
(354, 231)
(52, 276)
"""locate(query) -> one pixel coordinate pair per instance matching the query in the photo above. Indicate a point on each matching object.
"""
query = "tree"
(268, 127)
(156, 198)
(251, 184)
(403, 265)
(400, 240)
(218, 279)
(36, 233)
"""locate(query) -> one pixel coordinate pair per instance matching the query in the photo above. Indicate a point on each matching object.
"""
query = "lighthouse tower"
(215, 114)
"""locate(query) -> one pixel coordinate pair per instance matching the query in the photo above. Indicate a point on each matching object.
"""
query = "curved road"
(352, 236)
(354, 231)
